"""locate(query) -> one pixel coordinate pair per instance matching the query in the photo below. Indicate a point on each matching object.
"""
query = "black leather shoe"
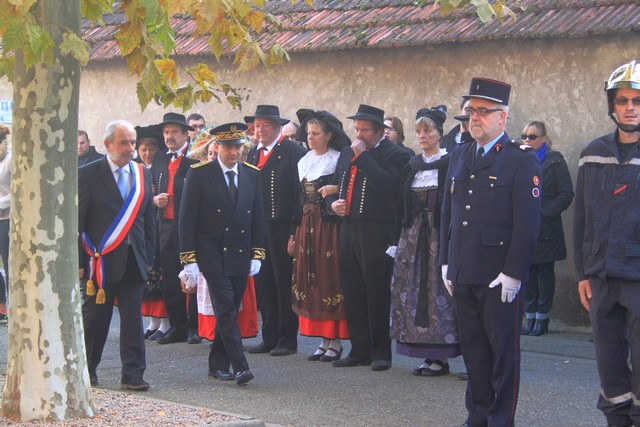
(317, 355)
(283, 351)
(243, 377)
(137, 384)
(221, 374)
(528, 327)
(173, 335)
(349, 362)
(541, 328)
(427, 371)
(260, 348)
(380, 365)
(156, 335)
(148, 333)
(192, 337)
(337, 356)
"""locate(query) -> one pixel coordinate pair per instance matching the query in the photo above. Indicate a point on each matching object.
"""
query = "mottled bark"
(46, 371)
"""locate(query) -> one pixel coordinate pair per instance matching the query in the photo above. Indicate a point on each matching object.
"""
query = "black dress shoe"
(148, 333)
(317, 355)
(260, 348)
(350, 361)
(221, 374)
(193, 338)
(338, 355)
(243, 377)
(283, 351)
(427, 371)
(528, 327)
(380, 365)
(137, 384)
(173, 335)
(156, 335)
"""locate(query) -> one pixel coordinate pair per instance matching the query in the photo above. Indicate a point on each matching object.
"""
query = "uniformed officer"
(490, 221)
(606, 247)
(222, 236)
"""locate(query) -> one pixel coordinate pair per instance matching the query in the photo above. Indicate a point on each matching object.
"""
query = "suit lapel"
(108, 180)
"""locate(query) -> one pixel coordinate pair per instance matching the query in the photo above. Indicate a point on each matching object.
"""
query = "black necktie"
(479, 154)
(172, 155)
(233, 190)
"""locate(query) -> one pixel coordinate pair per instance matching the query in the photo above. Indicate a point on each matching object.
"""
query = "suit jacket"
(279, 179)
(99, 201)
(375, 191)
(220, 237)
(91, 156)
(490, 213)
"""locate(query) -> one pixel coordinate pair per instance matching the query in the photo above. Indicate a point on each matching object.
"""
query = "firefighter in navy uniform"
(606, 247)
(489, 227)
(221, 229)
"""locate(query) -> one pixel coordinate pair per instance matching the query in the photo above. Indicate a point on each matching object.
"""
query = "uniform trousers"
(273, 289)
(97, 318)
(174, 299)
(226, 295)
(540, 288)
(365, 276)
(490, 342)
(615, 319)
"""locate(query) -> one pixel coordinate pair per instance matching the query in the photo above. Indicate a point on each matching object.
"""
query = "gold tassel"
(101, 297)
(91, 290)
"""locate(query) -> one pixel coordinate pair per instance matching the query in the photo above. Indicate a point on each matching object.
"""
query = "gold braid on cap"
(258, 253)
(187, 257)
(230, 135)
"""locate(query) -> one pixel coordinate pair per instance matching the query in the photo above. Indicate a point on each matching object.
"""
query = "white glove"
(510, 286)
(391, 251)
(191, 272)
(255, 267)
(447, 283)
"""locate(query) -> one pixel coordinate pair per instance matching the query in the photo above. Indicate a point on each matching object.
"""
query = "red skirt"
(154, 309)
(329, 329)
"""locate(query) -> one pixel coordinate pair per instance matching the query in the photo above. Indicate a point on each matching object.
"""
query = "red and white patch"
(536, 180)
(535, 192)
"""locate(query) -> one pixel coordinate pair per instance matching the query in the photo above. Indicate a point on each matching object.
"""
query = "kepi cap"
(230, 133)
(491, 90)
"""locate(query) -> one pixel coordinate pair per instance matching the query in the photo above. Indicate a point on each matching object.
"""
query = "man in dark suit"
(367, 175)
(460, 133)
(116, 225)
(277, 158)
(86, 152)
(169, 171)
(488, 231)
(222, 236)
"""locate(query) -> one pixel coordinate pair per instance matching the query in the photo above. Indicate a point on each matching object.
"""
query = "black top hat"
(339, 138)
(230, 133)
(464, 118)
(154, 132)
(492, 90)
(367, 112)
(267, 112)
(435, 114)
(175, 119)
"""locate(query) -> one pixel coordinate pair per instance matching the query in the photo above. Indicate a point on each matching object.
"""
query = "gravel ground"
(128, 409)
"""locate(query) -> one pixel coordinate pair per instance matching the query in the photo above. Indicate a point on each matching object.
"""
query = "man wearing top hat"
(222, 235)
(367, 175)
(460, 133)
(277, 158)
(489, 227)
(169, 171)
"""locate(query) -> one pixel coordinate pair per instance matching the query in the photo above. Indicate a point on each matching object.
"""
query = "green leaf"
(149, 81)
(14, 37)
(484, 10)
(7, 67)
(94, 9)
(74, 45)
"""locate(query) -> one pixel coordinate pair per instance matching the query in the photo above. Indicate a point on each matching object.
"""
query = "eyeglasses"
(622, 101)
(530, 137)
(481, 112)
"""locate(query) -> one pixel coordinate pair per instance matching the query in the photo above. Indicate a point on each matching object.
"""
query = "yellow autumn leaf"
(167, 68)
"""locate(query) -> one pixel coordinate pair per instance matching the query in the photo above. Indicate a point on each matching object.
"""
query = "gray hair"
(110, 130)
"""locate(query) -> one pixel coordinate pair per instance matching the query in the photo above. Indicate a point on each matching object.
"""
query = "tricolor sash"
(116, 232)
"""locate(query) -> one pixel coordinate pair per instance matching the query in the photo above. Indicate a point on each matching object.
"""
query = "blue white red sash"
(116, 232)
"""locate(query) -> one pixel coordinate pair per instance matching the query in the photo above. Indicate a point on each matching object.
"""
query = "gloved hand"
(391, 251)
(191, 272)
(447, 283)
(255, 267)
(510, 286)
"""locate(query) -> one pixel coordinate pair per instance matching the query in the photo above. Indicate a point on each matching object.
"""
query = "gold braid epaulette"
(197, 165)
(258, 253)
(252, 167)
(187, 257)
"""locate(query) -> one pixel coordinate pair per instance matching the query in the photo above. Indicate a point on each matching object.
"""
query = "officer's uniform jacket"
(375, 191)
(606, 225)
(220, 237)
(490, 213)
(279, 179)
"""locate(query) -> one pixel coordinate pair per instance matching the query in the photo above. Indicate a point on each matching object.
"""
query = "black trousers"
(490, 342)
(4, 253)
(97, 318)
(273, 289)
(226, 295)
(540, 288)
(169, 256)
(365, 275)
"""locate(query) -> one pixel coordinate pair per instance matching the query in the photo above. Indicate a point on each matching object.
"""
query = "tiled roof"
(342, 25)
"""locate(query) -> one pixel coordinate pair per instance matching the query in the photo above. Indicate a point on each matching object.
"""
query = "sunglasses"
(530, 137)
(622, 101)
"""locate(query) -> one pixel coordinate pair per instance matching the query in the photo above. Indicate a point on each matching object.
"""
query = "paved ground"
(559, 385)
